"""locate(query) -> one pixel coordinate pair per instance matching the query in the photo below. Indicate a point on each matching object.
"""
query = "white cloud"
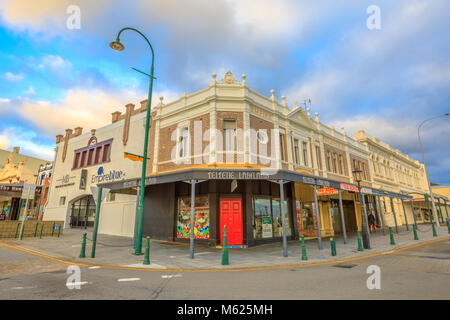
(12, 136)
(13, 77)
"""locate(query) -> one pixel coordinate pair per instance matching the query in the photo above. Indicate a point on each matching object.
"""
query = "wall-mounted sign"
(348, 187)
(102, 176)
(65, 181)
(83, 179)
(324, 183)
(366, 190)
(266, 226)
(239, 175)
(326, 191)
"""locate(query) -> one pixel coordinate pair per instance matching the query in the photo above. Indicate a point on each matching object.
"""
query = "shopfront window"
(268, 222)
(306, 219)
(201, 223)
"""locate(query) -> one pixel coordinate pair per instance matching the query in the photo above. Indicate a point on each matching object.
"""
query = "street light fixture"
(425, 166)
(364, 228)
(117, 45)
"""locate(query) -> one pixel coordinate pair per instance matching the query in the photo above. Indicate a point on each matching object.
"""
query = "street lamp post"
(425, 166)
(364, 227)
(117, 45)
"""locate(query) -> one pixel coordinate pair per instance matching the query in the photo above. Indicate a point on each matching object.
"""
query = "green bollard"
(147, 252)
(17, 229)
(360, 246)
(304, 256)
(448, 225)
(59, 230)
(415, 232)
(391, 236)
(42, 229)
(35, 229)
(333, 246)
(83, 246)
(434, 229)
(225, 247)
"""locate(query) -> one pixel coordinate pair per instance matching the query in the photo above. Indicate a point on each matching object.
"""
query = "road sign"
(28, 191)
(94, 191)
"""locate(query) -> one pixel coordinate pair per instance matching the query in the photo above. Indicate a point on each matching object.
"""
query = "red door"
(231, 216)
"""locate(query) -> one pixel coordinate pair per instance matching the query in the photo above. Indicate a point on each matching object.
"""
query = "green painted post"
(97, 218)
(445, 205)
(83, 246)
(360, 246)
(440, 210)
(304, 256)
(415, 232)
(391, 236)
(147, 252)
(42, 229)
(448, 224)
(225, 260)
(434, 230)
(333, 246)
(17, 229)
(59, 230)
(35, 229)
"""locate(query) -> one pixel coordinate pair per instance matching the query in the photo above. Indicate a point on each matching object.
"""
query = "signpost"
(27, 194)
(99, 194)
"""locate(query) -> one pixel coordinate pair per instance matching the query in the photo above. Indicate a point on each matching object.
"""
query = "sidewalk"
(117, 251)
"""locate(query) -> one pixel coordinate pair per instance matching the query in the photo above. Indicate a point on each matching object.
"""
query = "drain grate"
(344, 265)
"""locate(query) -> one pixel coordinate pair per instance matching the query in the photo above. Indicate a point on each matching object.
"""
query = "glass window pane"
(201, 220)
(262, 226)
(277, 219)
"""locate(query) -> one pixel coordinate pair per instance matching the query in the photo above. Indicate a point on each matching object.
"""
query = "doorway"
(231, 216)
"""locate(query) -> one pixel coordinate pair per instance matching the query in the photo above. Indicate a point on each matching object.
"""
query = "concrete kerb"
(89, 262)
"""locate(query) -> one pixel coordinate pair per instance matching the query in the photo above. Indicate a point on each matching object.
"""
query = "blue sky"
(382, 81)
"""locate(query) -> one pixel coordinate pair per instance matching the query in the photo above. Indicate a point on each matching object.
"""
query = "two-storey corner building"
(83, 160)
(232, 147)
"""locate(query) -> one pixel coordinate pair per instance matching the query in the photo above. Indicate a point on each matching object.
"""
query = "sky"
(56, 74)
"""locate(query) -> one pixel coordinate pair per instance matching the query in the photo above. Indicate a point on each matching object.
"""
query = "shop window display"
(267, 218)
(307, 220)
(201, 222)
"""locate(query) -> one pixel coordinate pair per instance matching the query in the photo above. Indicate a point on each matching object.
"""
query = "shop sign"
(309, 180)
(366, 190)
(348, 187)
(266, 227)
(111, 176)
(239, 175)
(65, 181)
(11, 188)
(28, 191)
(324, 183)
(326, 191)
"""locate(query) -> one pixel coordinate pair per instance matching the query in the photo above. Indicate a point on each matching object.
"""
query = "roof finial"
(213, 81)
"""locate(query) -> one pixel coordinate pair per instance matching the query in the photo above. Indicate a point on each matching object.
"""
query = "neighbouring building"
(15, 170)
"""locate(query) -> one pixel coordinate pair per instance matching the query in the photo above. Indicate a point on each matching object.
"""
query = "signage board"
(348, 187)
(28, 191)
(266, 226)
(326, 191)
(234, 185)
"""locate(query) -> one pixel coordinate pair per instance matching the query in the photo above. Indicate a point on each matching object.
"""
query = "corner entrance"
(231, 216)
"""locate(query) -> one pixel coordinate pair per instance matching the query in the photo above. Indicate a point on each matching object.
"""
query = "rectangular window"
(97, 154)
(76, 163)
(329, 161)
(184, 142)
(296, 151)
(283, 156)
(229, 135)
(105, 156)
(62, 201)
(341, 164)
(334, 163)
(83, 159)
(319, 162)
(90, 156)
(267, 220)
(201, 219)
(305, 153)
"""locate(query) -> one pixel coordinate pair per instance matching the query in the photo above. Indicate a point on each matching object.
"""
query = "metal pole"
(283, 218)
(414, 213)
(23, 219)
(140, 220)
(406, 218)
(136, 216)
(395, 217)
(192, 217)
(445, 202)
(317, 218)
(425, 167)
(97, 218)
(380, 212)
(341, 209)
(440, 210)
(366, 235)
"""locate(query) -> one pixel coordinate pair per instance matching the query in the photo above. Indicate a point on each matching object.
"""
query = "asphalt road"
(418, 273)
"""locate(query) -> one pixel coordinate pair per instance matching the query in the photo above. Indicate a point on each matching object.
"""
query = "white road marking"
(73, 284)
(94, 267)
(171, 276)
(20, 288)
(200, 253)
(128, 279)
(172, 257)
(145, 266)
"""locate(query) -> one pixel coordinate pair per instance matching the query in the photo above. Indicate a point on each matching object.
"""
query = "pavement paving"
(117, 251)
